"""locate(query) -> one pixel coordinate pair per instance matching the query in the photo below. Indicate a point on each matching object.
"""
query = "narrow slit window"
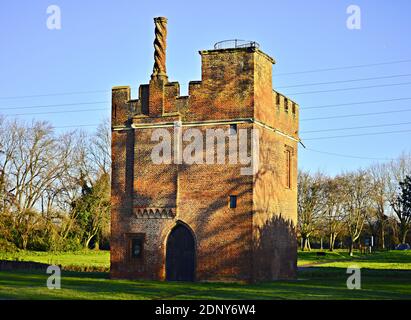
(286, 105)
(288, 169)
(233, 202)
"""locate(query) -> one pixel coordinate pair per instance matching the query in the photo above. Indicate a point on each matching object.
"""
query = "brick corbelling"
(154, 213)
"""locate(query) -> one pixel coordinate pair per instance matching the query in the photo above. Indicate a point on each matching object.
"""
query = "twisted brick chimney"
(159, 68)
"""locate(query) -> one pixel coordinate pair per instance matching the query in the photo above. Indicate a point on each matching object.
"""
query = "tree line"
(354, 206)
(54, 187)
(55, 194)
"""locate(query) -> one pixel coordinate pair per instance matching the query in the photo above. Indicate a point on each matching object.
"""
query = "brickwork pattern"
(255, 241)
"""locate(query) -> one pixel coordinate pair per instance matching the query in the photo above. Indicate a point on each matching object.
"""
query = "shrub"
(6, 246)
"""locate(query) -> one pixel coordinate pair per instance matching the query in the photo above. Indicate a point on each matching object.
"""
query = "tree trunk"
(87, 243)
(24, 242)
(404, 232)
(332, 241)
(382, 244)
(306, 243)
(351, 249)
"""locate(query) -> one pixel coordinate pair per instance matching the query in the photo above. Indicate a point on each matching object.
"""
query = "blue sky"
(106, 43)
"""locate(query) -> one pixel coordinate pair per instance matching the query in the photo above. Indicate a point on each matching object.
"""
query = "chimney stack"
(159, 69)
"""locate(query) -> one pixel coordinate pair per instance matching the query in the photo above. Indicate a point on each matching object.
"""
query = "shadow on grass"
(314, 283)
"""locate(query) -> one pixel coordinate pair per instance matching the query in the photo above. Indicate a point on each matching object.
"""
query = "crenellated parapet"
(236, 83)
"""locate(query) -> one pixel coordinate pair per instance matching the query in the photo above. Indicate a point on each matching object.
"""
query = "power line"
(354, 103)
(356, 115)
(54, 105)
(358, 135)
(54, 112)
(347, 156)
(54, 94)
(304, 108)
(344, 81)
(344, 68)
(352, 88)
(57, 94)
(361, 127)
(77, 126)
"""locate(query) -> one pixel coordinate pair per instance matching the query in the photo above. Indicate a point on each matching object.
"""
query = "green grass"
(395, 260)
(312, 285)
(87, 259)
(326, 280)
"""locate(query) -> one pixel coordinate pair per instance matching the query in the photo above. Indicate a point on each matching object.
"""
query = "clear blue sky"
(106, 43)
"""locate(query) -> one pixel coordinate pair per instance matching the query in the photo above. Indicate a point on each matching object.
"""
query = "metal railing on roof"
(236, 43)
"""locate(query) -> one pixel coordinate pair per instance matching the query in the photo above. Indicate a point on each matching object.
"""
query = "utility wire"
(54, 112)
(354, 103)
(303, 108)
(356, 115)
(344, 81)
(358, 135)
(361, 127)
(77, 126)
(352, 88)
(344, 68)
(347, 156)
(54, 105)
(54, 94)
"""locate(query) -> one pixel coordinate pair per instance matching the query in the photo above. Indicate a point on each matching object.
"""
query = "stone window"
(135, 245)
(233, 129)
(233, 202)
(286, 105)
(136, 248)
(277, 100)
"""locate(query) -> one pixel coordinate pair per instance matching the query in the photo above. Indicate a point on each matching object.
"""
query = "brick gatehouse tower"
(205, 221)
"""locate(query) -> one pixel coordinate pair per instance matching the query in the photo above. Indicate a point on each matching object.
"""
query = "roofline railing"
(236, 43)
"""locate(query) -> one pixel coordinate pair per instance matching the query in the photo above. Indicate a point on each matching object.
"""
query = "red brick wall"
(255, 241)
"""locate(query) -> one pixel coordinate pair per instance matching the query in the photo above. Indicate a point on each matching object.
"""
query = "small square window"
(233, 129)
(233, 201)
(136, 247)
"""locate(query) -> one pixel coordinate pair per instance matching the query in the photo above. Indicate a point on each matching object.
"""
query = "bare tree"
(378, 219)
(356, 204)
(309, 205)
(100, 147)
(333, 215)
(33, 161)
(398, 171)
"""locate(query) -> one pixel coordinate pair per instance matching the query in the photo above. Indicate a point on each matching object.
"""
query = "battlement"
(235, 83)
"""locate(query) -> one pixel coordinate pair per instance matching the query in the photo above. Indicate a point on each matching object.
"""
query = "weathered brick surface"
(252, 242)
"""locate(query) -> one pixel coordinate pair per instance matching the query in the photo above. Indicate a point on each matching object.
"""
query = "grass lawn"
(326, 280)
(394, 260)
(81, 259)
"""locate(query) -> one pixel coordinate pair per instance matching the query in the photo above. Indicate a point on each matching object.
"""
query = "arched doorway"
(180, 254)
